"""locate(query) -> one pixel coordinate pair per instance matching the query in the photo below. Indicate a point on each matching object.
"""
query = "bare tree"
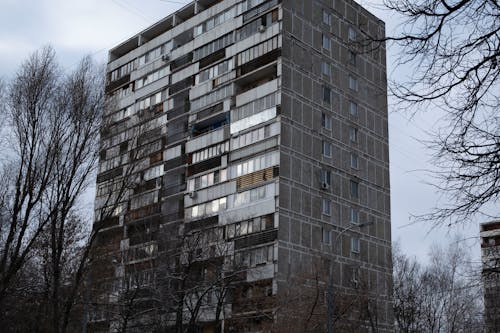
(52, 130)
(452, 48)
(443, 296)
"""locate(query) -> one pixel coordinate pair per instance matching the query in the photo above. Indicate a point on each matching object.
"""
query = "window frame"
(326, 177)
(355, 245)
(354, 189)
(353, 134)
(326, 236)
(326, 68)
(326, 42)
(352, 34)
(354, 215)
(326, 149)
(353, 109)
(354, 161)
(326, 121)
(353, 83)
(326, 207)
(327, 17)
(327, 91)
(352, 57)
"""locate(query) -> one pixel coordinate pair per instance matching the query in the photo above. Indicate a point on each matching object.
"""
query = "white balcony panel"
(205, 140)
(209, 194)
(257, 92)
(242, 213)
(260, 273)
(251, 121)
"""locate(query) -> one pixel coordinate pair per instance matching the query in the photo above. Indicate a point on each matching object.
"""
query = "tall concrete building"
(490, 252)
(244, 175)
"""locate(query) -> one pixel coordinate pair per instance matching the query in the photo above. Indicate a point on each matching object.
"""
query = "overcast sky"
(79, 27)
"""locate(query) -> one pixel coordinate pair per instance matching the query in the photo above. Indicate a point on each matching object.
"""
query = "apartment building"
(243, 183)
(490, 253)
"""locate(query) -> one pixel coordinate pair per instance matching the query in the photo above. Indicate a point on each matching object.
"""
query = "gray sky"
(77, 27)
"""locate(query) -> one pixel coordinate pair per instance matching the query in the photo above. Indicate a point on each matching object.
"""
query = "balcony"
(209, 138)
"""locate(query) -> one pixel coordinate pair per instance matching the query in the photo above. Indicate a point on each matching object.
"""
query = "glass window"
(327, 17)
(351, 57)
(354, 189)
(326, 177)
(353, 134)
(326, 207)
(326, 121)
(326, 68)
(327, 236)
(354, 160)
(244, 228)
(354, 215)
(353, 109)
(353, 83)
(231, 230)
(327, 149)
(351, 34)
(355, 245)
(270, 253)
(326, 94)
(326, 42)
(256, 224)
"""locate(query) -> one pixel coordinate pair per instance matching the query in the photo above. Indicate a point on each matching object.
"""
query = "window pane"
(354, 189)
(326, 94)
(353, 109)
(326, 207)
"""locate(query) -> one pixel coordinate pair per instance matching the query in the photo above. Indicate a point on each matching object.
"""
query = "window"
(253, 195)
(351, 58)
(155, 76)
(254, 107)
(249, 138)
(212, 47)
(325, 178)
(327, 149)
(209, 179)
(354, 161)
(259, 50)
(326, 42)
(354, 215)
(351, 34)
(326, 94)
(355, 245)
(353, 134)
(214, 71)
(256, 163)
(213, 22)
(208, 153)
(354, 189)
(253, 11)
(327, 17)
(326, 237)
(353, 83)
(326, 207)
(207, 208)
(326, 68)
(326, 121)
(353, 109)
(258, 25)
(212, 97)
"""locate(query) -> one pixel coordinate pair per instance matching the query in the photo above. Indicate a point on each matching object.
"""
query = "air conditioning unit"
(262, 28)
(192, 194)
(165, 58)
(325, 185)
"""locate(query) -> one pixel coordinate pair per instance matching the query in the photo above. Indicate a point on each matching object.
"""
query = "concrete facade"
(245, 153)
(490, 253)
